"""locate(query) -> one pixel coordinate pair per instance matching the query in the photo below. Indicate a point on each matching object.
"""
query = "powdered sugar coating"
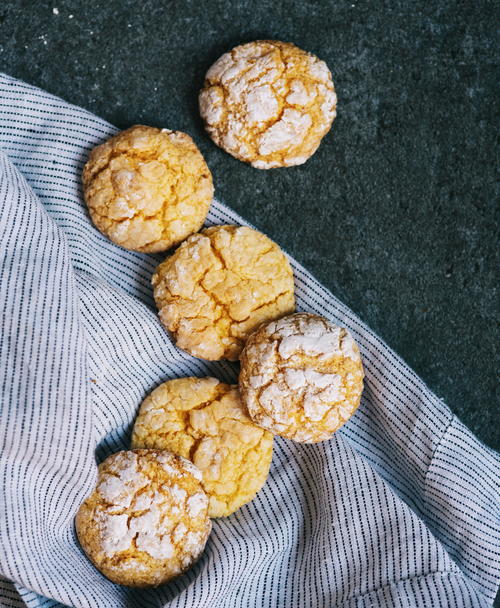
(268, 103)
(204, 419)
(147, 189)
(220, 285)
(301, 377)
(139, 523)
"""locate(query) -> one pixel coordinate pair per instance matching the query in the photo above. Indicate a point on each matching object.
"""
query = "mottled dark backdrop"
(396, 211)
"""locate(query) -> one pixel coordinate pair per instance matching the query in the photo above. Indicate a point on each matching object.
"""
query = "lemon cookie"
(219, 286)
(268, 103)
(301, 377)
(147, 189)
(147, 519)
(204, 420)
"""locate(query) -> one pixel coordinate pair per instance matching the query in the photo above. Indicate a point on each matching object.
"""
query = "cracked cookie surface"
(147, 519)
(268, 103)
(219, 286)
(147, 189)
(301, 377)
(204, 420)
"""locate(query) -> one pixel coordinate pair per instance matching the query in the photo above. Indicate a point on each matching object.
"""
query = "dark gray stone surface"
(396, 211)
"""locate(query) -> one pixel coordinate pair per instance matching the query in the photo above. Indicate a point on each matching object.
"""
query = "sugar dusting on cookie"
(301, 377)
(147, 519)
(204, 419)
(268, 103)
(219, 286)
(147, 189)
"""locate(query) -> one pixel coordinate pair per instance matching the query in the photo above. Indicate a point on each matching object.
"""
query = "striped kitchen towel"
(400, 508)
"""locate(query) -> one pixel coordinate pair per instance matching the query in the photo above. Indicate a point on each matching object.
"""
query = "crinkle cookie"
(301, 377)
(147, 189)
(204, 420)
(147, 519)
(219, 286)
(268, 103)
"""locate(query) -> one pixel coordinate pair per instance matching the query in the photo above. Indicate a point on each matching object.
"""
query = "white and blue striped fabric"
(399, 509)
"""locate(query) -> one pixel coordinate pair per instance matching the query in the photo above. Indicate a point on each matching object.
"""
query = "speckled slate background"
(396, 211)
